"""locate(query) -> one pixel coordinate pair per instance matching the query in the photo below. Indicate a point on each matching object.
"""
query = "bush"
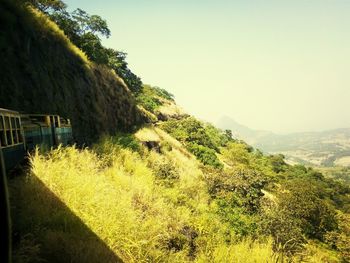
(298, 212)
(152, 97)
(206, 155)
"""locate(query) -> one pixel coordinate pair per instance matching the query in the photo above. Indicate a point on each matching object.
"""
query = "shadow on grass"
(45, 230)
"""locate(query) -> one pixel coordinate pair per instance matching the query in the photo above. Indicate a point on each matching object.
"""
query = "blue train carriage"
(46, 131)
(63, 131)
(37, 131)
(11, 138)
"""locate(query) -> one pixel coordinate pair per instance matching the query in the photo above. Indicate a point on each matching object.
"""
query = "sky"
(282, 66)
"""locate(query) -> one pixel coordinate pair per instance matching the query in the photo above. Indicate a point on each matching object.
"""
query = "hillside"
(43, 72)
(326, 148)
(174, 189)
(178, 190)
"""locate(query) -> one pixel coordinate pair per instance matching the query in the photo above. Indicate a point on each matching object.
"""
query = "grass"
(124, 209)
(147, 134)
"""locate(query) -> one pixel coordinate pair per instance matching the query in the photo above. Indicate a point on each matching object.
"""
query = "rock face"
(43, 72)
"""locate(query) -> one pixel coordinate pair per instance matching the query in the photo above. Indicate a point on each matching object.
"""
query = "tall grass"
(121, 197)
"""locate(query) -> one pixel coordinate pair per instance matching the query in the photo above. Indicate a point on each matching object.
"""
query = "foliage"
(38, 57)
(278, 163)
(338, 173)
(85, 30)
(150, 103)
(340, 238)
(236, 153)
(120, 209)
(206, 155)
(152, 97)
(299, 212)
(117, 62)
(125, 140)
(151, 206)
(48, 5)
(203, 140)
(203, 197)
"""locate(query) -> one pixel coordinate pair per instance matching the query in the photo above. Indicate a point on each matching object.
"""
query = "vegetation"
(123, 198)
(85, 31)
(43, 71)
(178, 191)
(137, 205)
(337, 172)
(152, 97)
(203, 140)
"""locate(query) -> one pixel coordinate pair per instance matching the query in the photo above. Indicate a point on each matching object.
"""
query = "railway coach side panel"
(13, 155)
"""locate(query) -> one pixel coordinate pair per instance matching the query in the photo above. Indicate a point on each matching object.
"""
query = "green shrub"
(149, 103)
(206, 155)
(151, 97)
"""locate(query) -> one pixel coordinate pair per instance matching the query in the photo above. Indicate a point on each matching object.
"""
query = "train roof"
(38, 114)
(2, 110)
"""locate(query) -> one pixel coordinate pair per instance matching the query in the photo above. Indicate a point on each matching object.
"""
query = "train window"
(52, 120)
(13, 130)
(13, 123)
(2, 138)
(57, 121)
(8, 137)
(7, 122)
(8, 134)
(14, 136)
(17, 123)
(20, 136)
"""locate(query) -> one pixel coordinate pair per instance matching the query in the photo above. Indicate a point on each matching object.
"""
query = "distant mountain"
(326, 148)
(242, 132)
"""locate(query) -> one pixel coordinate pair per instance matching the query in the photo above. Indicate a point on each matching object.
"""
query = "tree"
(117, 61)
(229, 134)
(93, 24)
(236, 153)
(85, 31)
(278, 163)
(48, 6)
(298, 211)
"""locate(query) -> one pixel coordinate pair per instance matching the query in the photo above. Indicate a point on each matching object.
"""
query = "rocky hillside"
(43, 72)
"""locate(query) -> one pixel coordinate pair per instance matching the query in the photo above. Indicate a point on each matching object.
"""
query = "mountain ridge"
(320, 148)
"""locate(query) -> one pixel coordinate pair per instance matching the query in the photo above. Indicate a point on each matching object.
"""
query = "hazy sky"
(276, 65)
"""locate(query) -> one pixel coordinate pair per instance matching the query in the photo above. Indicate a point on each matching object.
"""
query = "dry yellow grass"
(147, 134)
(119, 197)
(171, 109)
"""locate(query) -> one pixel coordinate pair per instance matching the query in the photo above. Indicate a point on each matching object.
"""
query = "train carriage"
(63, 132)
(11, 138)
(21, 133)
(37, 131)
(46, 130)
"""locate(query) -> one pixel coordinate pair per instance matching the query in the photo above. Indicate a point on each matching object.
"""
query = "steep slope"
(177, 191)
(43, 72)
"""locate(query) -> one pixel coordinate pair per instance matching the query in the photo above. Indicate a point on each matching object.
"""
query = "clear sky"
(275, 65)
